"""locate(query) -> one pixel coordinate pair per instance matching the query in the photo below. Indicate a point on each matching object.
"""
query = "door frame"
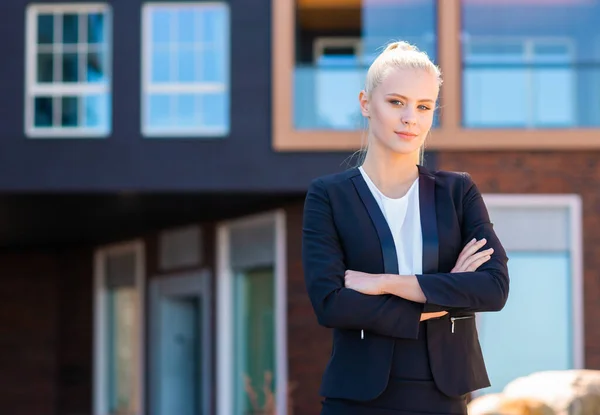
(224, 285)
(192, 283)
(135, 246)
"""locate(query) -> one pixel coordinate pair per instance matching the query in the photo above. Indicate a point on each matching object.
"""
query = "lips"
(406, 135)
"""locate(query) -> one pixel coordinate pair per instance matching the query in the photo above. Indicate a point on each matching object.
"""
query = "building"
(153, 165)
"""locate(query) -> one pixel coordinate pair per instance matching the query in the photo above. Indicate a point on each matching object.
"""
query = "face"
(400, 110)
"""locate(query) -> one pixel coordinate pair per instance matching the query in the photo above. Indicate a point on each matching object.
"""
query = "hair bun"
(402, 46)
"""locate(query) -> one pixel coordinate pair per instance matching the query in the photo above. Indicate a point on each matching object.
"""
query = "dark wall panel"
(242, 161)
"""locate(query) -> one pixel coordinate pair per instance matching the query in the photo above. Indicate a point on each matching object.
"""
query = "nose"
(409, 117)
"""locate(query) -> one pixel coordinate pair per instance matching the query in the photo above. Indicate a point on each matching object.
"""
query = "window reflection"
(537, 340)
(525, 65)
(188, 62)
(70, 88)
(335, 44)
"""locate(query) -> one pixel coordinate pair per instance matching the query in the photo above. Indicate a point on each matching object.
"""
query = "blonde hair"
(399, 55)
(396, 55)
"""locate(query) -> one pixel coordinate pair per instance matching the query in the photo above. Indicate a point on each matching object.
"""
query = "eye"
(396, 102)
(424, 107)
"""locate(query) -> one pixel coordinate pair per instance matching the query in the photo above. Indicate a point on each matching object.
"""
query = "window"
(185, 84)
(519, 75)
(119, 322)
(335, 44)
(68, 71)
(541, 326)
(252, 316)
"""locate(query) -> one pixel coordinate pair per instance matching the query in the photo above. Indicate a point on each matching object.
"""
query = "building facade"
(153, 166)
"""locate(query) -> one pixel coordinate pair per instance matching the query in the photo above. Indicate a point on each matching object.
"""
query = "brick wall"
(554, 173)
(75, 332)
(28, 333)
(309, 345)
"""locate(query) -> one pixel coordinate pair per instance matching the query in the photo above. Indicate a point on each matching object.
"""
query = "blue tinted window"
(185, 26)
(70, 32)
(160, 110)
(188, 69)
(335, 47)
(161, 25)
(69, 49)
(526, 65)
(534, 330)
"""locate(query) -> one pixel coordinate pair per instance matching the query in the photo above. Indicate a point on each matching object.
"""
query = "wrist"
(386, 283)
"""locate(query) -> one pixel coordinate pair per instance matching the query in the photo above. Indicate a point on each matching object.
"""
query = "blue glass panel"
(214, 110)
(327, 98)
(43, 111)
(381, 24)
(161, 66)
(212, 25)
(534, 330)
(97, 111)
(159, 111)
(95, 28)
(212, 65)
(161, 25)
(186, 111)
(497, 97)
(45, 67)
(329, 74)
(558, 57)
(185, 64)
(70, 28)
(70, 71)
(96, 67)
(45, 29)
(70, 112)
(185, 26)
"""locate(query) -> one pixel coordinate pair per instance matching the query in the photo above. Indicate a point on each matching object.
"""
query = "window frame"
(34, 89)
(449, 135)
(573, 203)
(100, 332)
(147, 86)
(224, 294)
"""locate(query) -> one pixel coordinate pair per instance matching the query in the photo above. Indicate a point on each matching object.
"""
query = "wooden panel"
(450, 136)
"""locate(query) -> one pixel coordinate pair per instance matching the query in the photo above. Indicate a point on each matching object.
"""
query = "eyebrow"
(403, 97)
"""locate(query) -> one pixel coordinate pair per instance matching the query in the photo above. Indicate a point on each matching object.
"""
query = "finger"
(470, 249)
(475, 265)
(476, 257)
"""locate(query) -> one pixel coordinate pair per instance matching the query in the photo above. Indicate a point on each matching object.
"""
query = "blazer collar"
(427, 210)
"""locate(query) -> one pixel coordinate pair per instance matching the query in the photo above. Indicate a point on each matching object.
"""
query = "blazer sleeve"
(324, 267)
(485, 289)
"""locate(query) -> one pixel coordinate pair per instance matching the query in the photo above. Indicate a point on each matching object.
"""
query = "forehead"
(411, 83)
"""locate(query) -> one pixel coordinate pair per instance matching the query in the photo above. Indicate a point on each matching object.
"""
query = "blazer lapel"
(428, 221)
(388, 248)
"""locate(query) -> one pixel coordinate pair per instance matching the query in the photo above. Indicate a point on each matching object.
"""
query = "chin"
(404, 148)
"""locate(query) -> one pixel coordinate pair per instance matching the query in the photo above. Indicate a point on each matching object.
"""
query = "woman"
(397, 259)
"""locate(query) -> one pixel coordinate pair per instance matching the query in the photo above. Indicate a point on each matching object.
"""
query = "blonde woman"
(398, 259)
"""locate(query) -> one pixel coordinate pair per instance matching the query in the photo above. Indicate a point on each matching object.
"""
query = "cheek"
(426, 120)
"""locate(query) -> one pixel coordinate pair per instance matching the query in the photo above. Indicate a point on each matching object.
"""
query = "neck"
(392, 173)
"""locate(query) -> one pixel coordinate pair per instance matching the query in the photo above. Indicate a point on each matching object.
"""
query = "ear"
(364, 104)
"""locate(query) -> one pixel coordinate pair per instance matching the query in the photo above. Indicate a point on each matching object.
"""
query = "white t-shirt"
(404, 220)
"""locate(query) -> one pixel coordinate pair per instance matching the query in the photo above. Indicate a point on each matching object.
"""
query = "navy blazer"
(343, 228)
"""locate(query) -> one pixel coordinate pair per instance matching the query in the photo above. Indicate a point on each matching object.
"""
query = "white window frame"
(573, 204)
(225, 347)
(179, 87)
(33, 89)
(100, 335)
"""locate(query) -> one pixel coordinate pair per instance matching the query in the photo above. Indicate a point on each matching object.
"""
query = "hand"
(370, 284)
(469, 259)
(438, 314)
